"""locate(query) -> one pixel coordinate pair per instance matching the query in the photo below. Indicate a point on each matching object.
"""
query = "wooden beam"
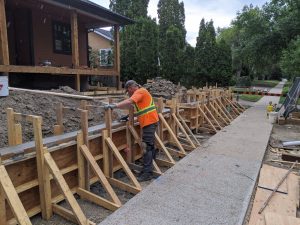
(212, 116)
(80, 161)
(218, 114)
(164, 149)
(43, 172)
(183, 131)
(4, 52)
(98, 172)
(174, 138)
(13, 198)
(117, 64)
(125, 167)
(62, 184)
(107, 156)
(56, 70)
(85, 135)
(207, 119)
(11, 127)
(188, 129)
(75, 47)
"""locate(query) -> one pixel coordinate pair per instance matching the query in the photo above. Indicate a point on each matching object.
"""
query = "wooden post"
(107, 156)
(117, 54)
(59, 128)
(4, 52)
(85, 134)
(11, 127)
(130, 141)
(2, 203)
(75, 46)
(160, 107)
(80, 161)
(43, 172)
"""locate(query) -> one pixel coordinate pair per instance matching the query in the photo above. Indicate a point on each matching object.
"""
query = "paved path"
(212, 185)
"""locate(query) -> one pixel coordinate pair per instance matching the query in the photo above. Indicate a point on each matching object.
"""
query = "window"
(106, 57)
(62, 38)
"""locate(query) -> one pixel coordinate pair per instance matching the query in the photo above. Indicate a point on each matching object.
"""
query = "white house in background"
(101, 40)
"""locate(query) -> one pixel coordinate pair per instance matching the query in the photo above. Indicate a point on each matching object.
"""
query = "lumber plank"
(212, 116)
(124, 186)
(85, 135)
(2, 206)
(183, 131)
(277, 219)
(208, 120)
(98, 172)
(270, 176)
(98, 200)
(11, 127)
(43, 172)
(164, 149)
(188, 129)
(80, 161)
(162, 119)
(107, 156)
(123, 163)
(80, 217)
(13, 198)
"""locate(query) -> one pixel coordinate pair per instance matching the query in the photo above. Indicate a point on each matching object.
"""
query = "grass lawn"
(265, 83)
(251, 98)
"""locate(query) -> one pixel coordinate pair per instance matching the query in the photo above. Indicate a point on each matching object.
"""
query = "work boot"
(144, 176)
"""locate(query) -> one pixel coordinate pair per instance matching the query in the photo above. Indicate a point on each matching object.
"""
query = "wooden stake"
(164, 149)
(212, 116)
(18, 134)
(85, 134)
(208, 120)
(13, 199)
(188, 129)
(223, 113)
(59, 128)
(219, 115)
(43, 172)
(11, 127)
(183, 131)
(164, 122)
(225, 110)
(107, 156)
(80, 161)
(62, 184)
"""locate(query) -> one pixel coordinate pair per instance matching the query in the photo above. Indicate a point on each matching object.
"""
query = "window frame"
(100, 58)
(63, 51)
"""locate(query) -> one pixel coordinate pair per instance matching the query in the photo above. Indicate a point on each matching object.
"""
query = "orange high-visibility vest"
(145, 107)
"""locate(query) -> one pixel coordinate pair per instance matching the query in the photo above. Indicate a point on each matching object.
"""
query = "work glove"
(124, 118)
(110, 106)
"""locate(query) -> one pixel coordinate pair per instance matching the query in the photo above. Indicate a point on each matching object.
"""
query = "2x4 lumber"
(123, 163)
(85, 135)
(43, 172)
(75, 47)
(2, 207)
(208, 120)
(162, 162)
(117, 53)
(234, 110)
(218, 114)
(18, 134)
(183, 130)
(164, 149)
(107, 156)
(4, 52)
(56, 70)
(11, 127)
(13, 198)
(212, 116)
(225, 110)
(188, 129)
(140, 168)
(98, 200)
(80, 217)
(124, 186)
(223, 113)
(164, 122)
(80, 161)
(175, 153)
(98, 172)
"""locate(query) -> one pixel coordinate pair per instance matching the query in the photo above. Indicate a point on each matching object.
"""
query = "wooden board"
(270, 176)
(284, 204)
(277, 219)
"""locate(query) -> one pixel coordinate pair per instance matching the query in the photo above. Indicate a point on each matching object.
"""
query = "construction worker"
(148, 120)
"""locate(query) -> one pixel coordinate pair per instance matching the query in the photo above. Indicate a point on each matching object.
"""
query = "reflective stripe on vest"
(146, 110)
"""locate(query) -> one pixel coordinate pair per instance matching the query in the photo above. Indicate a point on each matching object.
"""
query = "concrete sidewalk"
(213, 184)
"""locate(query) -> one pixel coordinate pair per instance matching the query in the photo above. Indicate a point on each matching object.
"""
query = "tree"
(290, 61)
(171, 38)
(138, 42)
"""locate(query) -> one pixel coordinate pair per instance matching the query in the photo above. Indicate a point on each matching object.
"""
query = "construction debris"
(160, 87)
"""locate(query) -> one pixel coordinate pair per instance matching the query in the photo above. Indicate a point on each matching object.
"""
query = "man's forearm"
(125, 104)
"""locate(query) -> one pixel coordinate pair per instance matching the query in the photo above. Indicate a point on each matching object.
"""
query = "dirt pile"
(44, 105)
(67, 90)
(164, 88)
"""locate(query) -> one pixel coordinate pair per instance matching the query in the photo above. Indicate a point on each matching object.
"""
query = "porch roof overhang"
(94, 10)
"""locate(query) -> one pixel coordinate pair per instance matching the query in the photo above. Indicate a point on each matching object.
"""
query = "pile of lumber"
(282, 208)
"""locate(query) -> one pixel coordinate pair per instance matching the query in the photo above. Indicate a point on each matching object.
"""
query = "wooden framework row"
(65, 164)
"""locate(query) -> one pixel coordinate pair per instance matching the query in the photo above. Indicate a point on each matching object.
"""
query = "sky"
(222, 12)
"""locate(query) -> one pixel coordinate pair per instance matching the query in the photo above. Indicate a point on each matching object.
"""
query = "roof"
(111, 17)
(104, 33)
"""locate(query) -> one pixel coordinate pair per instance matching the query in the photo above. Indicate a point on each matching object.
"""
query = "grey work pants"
(149, 139)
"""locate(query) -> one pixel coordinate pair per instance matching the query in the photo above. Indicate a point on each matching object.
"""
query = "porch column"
(75, 48)
(4, 54)
(117, 54)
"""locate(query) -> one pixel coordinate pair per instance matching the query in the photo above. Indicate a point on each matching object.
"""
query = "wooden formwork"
(49, 170)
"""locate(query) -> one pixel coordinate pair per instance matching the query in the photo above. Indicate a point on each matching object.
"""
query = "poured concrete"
(213, 184)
